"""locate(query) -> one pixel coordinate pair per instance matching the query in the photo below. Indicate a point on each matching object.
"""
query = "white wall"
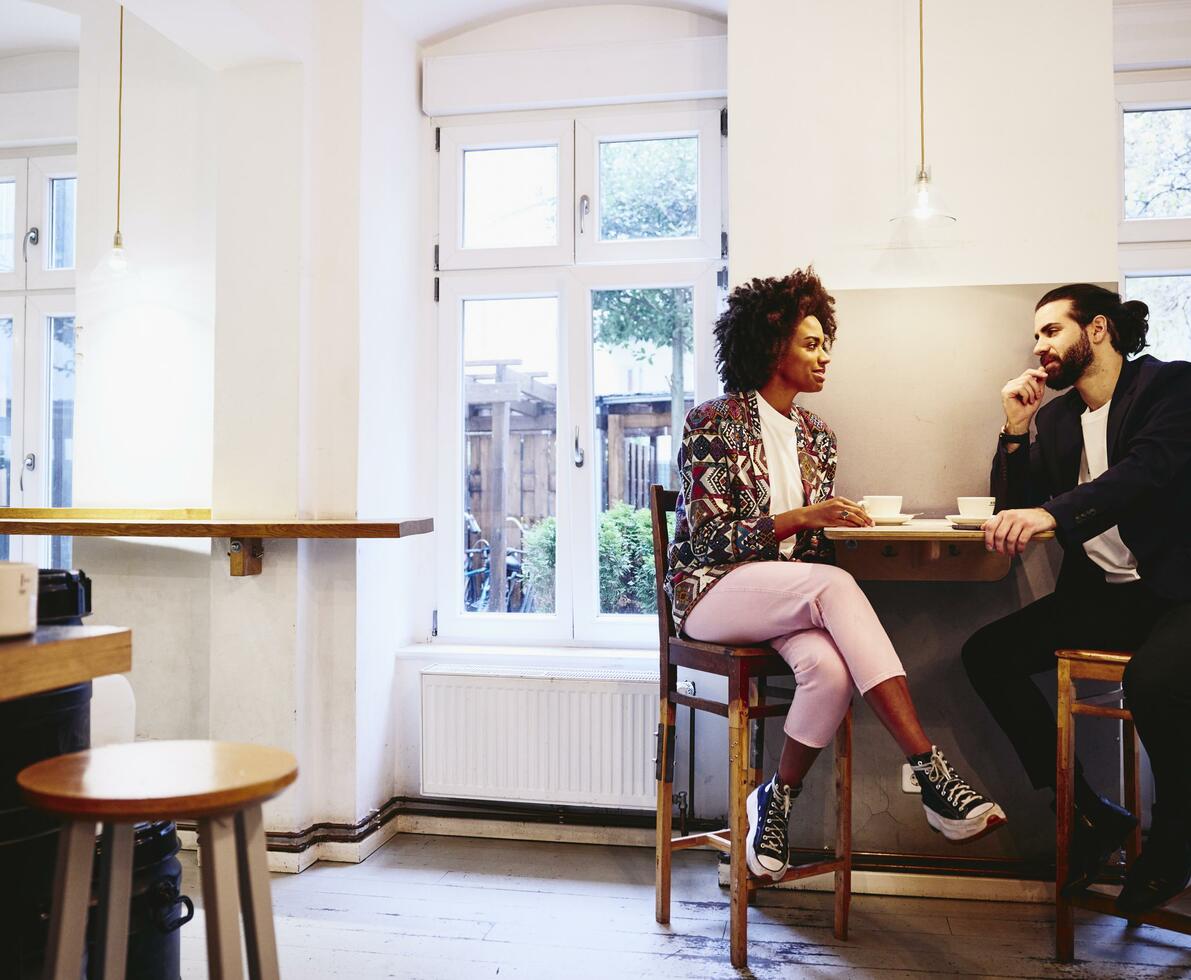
(1151, 34)
(1020, 137)
(393, 598)
(144, 379)
(39, 98)
(143, 433)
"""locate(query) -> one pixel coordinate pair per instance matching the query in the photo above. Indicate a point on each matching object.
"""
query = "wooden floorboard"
(442, 908)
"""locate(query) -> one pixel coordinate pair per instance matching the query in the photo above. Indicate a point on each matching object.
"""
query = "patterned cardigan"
(723, 507)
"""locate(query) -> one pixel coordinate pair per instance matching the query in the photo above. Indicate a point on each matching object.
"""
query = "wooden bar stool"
(1094, 665)
(747, 669)
(221, 784)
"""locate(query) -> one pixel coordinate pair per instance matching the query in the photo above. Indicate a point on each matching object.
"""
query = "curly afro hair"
(753, 332)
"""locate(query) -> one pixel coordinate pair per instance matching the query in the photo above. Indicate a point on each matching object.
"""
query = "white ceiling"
(27, 27)
(430, 20)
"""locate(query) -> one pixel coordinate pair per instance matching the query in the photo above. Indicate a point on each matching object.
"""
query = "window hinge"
(724, 121)
(438, 139)
(434, 622)
(721, 278)
(436, 289)
(723, 245)
(436, 258)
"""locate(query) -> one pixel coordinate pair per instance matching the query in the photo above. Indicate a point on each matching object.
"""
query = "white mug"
(976, 506)
(882, 506)
(18, 598)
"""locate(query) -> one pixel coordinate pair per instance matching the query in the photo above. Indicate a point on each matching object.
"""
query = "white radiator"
(579, 737)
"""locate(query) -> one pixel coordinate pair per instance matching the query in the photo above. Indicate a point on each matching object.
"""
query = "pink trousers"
(820, 622)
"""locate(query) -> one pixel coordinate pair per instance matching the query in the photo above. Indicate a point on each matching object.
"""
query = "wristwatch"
(1011, 437)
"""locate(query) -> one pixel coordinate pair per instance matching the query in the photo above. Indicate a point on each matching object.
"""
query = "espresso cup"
(975, 506)
(18, 598)
(882, 506)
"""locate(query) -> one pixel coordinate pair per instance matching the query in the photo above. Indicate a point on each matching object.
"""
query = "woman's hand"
(833, 512)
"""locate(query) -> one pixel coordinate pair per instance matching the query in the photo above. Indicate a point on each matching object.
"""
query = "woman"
(748, 560)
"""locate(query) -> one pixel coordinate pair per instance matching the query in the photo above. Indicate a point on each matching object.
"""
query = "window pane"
(649, 189)
(5, 425)
(510, 197)
(1158, 164)
(61, 428)
(510, 374)
(8, 230)
(644, 384)
(62, 209)
(1169, 300)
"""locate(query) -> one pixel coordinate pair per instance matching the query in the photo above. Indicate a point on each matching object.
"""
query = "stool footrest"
(1105, 904)
(798, 871)
(1100, 711)
(721, 840)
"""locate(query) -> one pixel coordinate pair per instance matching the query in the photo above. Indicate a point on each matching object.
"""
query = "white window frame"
(496, 273)
(1138, 92)
(590, 624)
(16, 169)
(454, 141)
(42, 171)
(453, 622)
(591, 132)
(31, 423)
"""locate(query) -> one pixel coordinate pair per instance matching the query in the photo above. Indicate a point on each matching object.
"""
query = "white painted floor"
(464, 908)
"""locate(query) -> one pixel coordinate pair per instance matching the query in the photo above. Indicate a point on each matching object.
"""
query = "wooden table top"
(57, 656)
(919, 529)
(158, 780)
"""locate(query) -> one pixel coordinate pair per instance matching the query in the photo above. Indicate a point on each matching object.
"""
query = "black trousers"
(1002, 657)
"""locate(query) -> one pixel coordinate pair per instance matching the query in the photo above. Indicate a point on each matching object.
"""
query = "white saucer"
(967, 523)
(895, 519)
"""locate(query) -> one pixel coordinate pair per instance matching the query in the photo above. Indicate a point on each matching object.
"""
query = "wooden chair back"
(662, 502)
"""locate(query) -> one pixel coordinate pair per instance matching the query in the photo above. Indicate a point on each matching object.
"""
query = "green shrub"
(625, 544)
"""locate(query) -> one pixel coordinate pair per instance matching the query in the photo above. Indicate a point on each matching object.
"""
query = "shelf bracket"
(246, 555)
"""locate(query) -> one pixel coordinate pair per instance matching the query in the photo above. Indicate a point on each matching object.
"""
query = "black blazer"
(1146, 490)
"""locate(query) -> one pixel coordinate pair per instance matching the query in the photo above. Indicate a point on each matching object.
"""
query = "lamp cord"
(922, 98)
(120, 124)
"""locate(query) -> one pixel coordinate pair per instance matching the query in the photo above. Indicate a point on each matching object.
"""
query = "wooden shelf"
(246, 535)
(56, 656)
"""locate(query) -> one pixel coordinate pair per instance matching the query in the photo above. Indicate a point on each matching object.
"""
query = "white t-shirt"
(779, 436)
(1107, 550)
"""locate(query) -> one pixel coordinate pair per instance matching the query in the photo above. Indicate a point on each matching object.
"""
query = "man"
(1109, 471)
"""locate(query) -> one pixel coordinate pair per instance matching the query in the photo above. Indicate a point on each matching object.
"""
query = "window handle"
(30, 465)
(579, 455)
(32, 237)
(584, 210)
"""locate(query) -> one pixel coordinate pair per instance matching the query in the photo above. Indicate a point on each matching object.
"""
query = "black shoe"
(1163, 868)
(768, 808)
(1099, 832)
(952, 807)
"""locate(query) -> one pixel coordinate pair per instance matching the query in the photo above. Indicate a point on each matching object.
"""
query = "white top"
(1107, 550)
(779, 436)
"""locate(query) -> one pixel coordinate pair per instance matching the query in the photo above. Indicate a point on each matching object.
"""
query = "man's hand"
(1021, 399)
(1011, 530)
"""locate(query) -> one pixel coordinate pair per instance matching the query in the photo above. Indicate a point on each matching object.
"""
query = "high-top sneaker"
(768, 806)
(952, 807)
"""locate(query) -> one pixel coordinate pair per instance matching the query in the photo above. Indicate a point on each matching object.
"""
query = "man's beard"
(1072, 365)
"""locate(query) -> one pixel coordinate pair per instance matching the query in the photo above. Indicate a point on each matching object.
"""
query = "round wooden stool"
(221, 784)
